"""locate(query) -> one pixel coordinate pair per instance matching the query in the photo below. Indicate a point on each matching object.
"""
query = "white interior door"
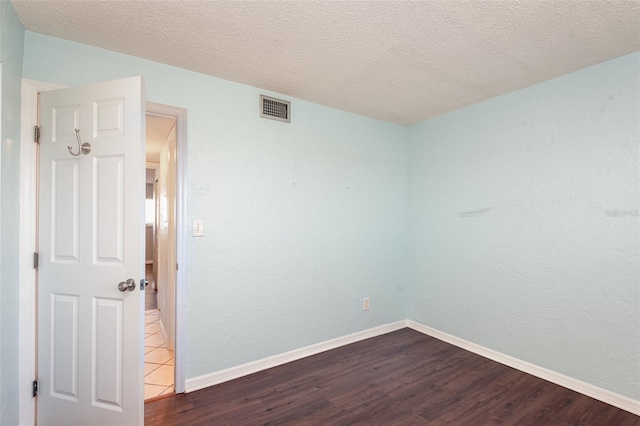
(90, 346)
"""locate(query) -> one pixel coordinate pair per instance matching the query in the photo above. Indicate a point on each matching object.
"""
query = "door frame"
(180, 115)
(27, 346)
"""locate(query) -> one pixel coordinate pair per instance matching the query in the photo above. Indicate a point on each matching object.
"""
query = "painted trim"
(232, 373)
(28, 245)
(181, 238)
(606, 396)
(165, 336)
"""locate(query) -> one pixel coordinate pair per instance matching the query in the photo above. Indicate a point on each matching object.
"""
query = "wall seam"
(406, 223)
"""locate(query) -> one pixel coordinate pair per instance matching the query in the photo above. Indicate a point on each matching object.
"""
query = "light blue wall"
(523, 230)
(302, 220)
(11, 49)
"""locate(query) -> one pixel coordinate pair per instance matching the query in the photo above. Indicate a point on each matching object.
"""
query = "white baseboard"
(232, 373)
(612, 398)
(164, 333)
(606, 396)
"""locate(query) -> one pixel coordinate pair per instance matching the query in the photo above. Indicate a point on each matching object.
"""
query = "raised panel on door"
(108, 341)
(108, 209)
(64, 347)
(65, 120)
(108, 118)
(64, 210)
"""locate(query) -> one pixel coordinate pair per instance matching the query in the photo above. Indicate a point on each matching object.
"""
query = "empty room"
(377, 213)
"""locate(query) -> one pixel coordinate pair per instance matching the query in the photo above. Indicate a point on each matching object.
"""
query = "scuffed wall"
(523, 232)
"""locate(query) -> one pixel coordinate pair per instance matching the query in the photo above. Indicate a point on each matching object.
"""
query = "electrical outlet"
(366, 304)
(198, 228)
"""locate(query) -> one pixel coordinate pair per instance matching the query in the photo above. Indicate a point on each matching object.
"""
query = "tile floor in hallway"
(158, 360)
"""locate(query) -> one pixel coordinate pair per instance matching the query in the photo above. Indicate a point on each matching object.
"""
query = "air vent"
(275, 109)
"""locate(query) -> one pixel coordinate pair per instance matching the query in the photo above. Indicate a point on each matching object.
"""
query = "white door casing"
(91, 227)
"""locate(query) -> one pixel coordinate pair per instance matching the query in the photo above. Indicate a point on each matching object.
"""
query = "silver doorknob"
(129, 285)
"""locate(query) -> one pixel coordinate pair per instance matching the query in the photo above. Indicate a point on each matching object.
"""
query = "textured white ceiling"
(399, 61)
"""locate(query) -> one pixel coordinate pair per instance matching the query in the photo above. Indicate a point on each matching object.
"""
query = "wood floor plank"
(400, 378)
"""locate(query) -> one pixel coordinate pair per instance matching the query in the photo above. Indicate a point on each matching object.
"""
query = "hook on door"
(83, 148)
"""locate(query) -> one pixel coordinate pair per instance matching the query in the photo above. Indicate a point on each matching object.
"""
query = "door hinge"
(36, 134)
(34, 393)
(36, 260)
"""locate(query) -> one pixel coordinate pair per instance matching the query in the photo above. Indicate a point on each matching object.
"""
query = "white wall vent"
(275, 109)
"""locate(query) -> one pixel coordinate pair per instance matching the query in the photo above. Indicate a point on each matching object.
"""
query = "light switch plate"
(198, 228)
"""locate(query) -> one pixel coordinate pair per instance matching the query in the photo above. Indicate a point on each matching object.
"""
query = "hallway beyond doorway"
(150, 293)
(158, 360)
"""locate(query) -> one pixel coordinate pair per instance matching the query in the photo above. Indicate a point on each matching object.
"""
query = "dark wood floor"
(401, 378)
